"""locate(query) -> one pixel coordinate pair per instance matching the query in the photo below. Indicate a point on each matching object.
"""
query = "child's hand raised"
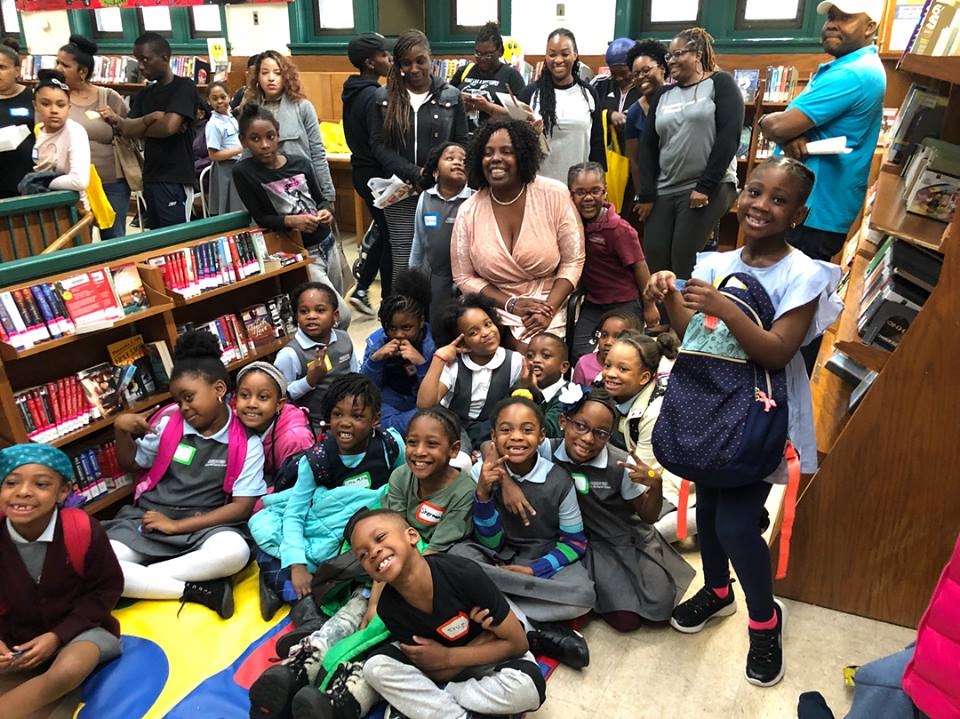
(491, 473)
(317, 369)
(701, 296)
(389, 349)
(659, 285)
(409, 353)
(527, 378)
(448, 353)
(134, 424)
(641, 473)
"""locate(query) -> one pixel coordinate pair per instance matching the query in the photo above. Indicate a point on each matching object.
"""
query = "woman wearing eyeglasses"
(647, 61)
(688, 164)
(482, 79)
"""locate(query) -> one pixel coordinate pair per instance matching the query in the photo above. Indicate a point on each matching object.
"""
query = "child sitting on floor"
(474, 371)
(453, 629)
(284, 428)
(353, 453)
(61, 580)
(318, 352)
(536, 562)
(396, 354)
(433, 225)
(185, 535)
(612, 324)
(544, 371)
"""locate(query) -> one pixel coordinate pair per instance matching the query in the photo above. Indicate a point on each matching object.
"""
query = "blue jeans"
(118, 195)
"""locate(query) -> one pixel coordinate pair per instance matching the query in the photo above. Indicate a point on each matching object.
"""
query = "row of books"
(921, 115)
(897, 281)
(191, 271)
(85, 302)
(446, 69)
(119, 68)
(932, 180)
(938, 31)
(781, 83)
(196, 68)
(97, 471)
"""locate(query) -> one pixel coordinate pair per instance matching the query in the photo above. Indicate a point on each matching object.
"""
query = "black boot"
(271, 695)
(270, 601)
(304, 615)
(285, 642)
(216, 594)
(348, 696)
(559, 642)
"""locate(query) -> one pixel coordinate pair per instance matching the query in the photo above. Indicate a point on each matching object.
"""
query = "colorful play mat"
(194, 665)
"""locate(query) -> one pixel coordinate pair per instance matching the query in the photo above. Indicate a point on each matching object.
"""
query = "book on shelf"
(747, 81)
(128, 288)
(135, 378)
(938, 32)
(119, 69)
(259, 328)
(846, 368)
(921, 115)
(53, 409)
(932, 180)
(765, 148)
(90, 299)
(282, 315)
(781, 83)
(161, 363)
(743, 151)
(96, 471)
(230, 333)
(446, 69)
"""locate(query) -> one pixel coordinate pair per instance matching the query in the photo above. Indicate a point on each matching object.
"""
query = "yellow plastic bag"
(333, 138)
(618, 168)
(103, 214)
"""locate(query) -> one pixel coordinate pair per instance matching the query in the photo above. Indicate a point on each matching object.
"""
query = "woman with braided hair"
(688, 163)
(417, 112)
(569, 107)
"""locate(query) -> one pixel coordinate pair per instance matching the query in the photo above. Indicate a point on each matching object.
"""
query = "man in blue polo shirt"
(844, 97)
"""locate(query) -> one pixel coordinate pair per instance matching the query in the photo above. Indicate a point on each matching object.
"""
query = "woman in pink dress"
(519, 240)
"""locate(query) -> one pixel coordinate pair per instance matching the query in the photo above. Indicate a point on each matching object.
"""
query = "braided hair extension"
(702, 42)
(447, 420)
(398, 120)
(411, 294)
(355, 385)
(545, 89)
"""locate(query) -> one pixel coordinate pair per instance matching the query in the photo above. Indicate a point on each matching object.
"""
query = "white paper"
(829, 146)
(388, 192)
(516, 109)
(12, 135)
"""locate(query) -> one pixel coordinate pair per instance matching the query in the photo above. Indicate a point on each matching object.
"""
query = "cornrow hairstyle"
(526, 150)
(154, 40)
(411, 294)
(11, 54)
(702, 42)
(198, 353)
(654, 49)
(651, 350)
(398, 119)
(558, 341)
(250, 112)
(630, 319)
(362, 514)
(355, 385)
(491, 33)
(585, 168)
(800, 173)
(53, 79)
(433, 161)
(599, 395)
(545, 88)
(448, 325)
(82, 51)
(288, 71)
(509, 402)
(447, 419)
(319, 286)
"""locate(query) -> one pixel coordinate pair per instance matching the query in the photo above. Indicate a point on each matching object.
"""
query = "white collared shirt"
(45, 536)
(629, 490)
(288, 362)
(482, 375)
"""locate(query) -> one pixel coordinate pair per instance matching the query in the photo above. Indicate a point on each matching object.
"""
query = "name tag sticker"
(431, 219)
(184, 453)
(92, 115)
(581, 482)
(429, 513)
(19, 112)
(455, 628)
(359, 480)
(327, 362)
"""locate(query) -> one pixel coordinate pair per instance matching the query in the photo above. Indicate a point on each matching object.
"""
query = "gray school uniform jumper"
(340, 350)
(476, 430)
(633, 568)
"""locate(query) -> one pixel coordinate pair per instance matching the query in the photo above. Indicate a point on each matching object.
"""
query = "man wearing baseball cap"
(844, 98)
(368, 52)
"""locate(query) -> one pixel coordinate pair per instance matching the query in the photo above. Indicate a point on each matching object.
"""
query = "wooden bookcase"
(876, 524)
(51, 360)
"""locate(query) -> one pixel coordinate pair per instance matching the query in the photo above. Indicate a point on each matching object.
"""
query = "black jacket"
(359, 107)
(441, 117)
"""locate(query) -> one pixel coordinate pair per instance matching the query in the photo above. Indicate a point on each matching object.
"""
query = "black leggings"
(728, 527)
(378, 256)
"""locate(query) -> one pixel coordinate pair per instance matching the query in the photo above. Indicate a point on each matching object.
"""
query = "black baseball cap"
(366, 45)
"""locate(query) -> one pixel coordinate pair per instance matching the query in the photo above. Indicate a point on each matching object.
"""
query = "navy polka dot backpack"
(723, 421)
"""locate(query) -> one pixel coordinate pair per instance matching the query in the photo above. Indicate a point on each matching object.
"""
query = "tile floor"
(658, 672)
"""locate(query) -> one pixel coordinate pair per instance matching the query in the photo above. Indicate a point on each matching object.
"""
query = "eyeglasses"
(485, 55)
(644, 71)
(676, 54)
(595, 191)
(582, 428)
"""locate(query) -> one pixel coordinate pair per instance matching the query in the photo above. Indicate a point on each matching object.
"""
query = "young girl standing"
(472, 373)
(801, 289)
(611, 325)
(446, 189)
(62, 144)
(224, 148)
(395, 356)
(319, 352)
(185, 535)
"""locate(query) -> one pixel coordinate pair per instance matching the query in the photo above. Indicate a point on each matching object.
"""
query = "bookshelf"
(48, 361)
(877, 522)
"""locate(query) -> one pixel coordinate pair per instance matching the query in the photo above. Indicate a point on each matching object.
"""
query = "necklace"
(508, 202)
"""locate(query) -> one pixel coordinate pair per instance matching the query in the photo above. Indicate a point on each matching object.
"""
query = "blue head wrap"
(617, 50)
(20, 454)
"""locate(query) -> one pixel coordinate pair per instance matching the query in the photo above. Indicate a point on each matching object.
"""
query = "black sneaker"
(360, 300)
(270, 601)
(559, 642)
(348, 696)
(216, 595)
(286, 642)
(272, 694)
(691, 616)
(765, 666)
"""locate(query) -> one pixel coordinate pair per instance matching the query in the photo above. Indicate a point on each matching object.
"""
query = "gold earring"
(793, 225)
